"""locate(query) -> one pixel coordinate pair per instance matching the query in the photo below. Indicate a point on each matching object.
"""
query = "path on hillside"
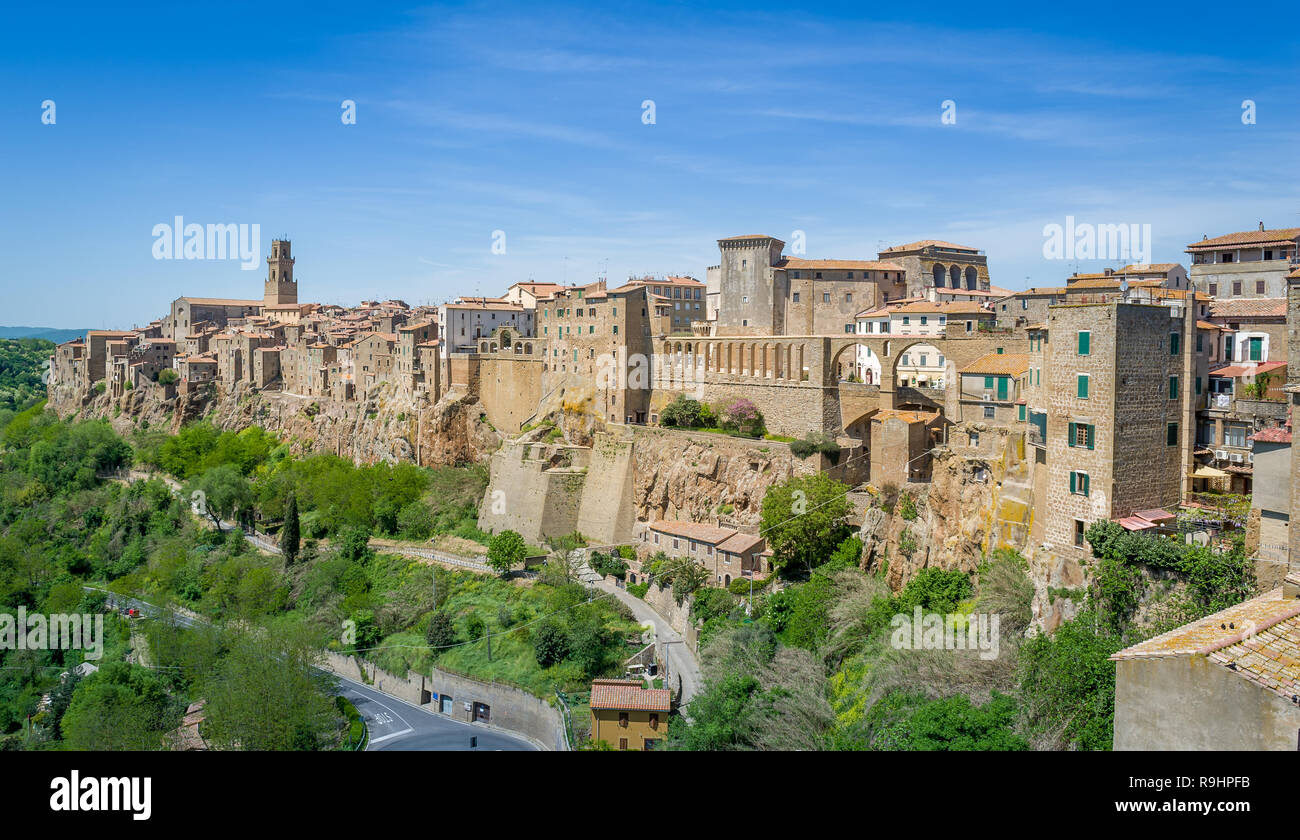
(681, 660)
(266, 544)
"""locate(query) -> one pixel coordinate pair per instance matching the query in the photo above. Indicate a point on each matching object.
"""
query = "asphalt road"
(394, 723)
(398, 725)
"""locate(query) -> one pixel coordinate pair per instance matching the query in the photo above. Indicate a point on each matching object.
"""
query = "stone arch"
(483, 347)
(903, 350)
(519, 347)
(857, 360)
(954, 276)
(972, 278)
(528, 349)
(939, 273)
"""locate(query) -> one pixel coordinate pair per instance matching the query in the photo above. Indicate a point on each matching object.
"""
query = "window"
(1085, 342)
(1079, 483)
(924, 320)
(794, 298)
(1082, 435)
(796, 276)
(970, 325)
(907, 319)
(1020, 413)
(622, 721)
(1235, 435)
(989, 409)
(1171, 434)
(1236, 284)
(1002, 387)
(1259, 287)
(988, 383)
(848, 328)
(1198, 386)
(1200, 344)
(904, 361)
(1083, 386)
(826, 297)
(1173, 344)
(1214, 290)
(1078, 533)
(848, 297)
(654, 720)
(1256, 345)
(1173, 387)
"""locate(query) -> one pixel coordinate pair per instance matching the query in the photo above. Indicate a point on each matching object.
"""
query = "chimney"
(1261, 226)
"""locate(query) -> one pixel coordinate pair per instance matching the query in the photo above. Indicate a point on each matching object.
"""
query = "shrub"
(907, 507)
(742, 416)
(441, 631)
(550, 643)
(682, 412)
(167, 376)
(639, 590)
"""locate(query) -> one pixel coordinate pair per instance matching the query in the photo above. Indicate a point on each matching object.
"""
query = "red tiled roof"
(1248, 308)
(1247, 369)
(1278, 236)
(1276, 434)
(928, 243)
(865, 265)
(628, 695)
(693, 530)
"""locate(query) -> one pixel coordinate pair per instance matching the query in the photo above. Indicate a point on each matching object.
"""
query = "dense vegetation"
(815, 663)
(63, 527)
(22, 361)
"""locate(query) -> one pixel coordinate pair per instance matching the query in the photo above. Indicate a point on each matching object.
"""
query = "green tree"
(441, 631)
(224, 491)
(505, 551)
(267, 693)
(550, 643)
(803, 520)
(289, 534)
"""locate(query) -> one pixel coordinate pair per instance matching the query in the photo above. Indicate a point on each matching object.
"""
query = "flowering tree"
(743, 416)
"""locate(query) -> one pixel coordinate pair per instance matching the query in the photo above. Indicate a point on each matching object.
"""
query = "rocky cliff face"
(384, 426)
(952, 528)
(700, 477)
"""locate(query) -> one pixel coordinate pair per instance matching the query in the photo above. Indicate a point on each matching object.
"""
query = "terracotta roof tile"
(1278, 236)
(628, 695)
(998, 364)
(1248, 308)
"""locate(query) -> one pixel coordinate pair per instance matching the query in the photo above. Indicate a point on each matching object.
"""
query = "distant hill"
(48, 333)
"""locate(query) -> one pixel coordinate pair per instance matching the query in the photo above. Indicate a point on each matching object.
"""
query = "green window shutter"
(1198, 386)
(1086, 479)
(1070, 440)
(1171, 435)
(1257, 349)
(1090, 433)
(1002, 387)
(1085, 342)
(1020, 413)
(988, 383)
(1173, 344)
(1073, 481)
(1173, 387)
(1083, 386)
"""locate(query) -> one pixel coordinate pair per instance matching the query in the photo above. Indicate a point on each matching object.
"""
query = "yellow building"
(627, 716)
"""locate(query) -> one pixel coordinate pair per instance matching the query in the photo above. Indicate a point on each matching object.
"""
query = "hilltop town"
(658, 412)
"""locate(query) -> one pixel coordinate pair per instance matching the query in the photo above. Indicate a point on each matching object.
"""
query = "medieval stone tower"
(281, 288)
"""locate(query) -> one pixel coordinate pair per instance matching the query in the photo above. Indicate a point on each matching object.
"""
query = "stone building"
(281, 287)
(933, 263)
(992, 390)
(1027, 307)
(1251, 264)
(1115, 415)
(462, 323)
(761, 292)
(1229, 681)
(727, 554)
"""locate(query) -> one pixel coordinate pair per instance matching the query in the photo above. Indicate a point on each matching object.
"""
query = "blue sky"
(473, 118)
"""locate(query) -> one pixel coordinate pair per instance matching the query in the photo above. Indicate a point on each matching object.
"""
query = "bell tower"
(280, 285)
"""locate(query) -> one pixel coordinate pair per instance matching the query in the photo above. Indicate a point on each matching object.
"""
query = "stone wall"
(510, 708)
